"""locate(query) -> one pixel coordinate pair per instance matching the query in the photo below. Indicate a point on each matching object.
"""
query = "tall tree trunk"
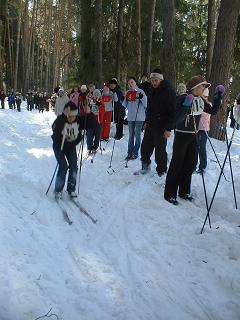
(222, 60)
(168, 24)
(98, 48)
(148, 49)
(210, 34)
(138, 39)
(47, 80)
(119, 39)
(17, 49)
(10, 54)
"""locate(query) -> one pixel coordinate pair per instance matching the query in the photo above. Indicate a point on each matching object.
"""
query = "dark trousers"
(119, 114)
(93, 137)
(201, 151)
(19, 106)
(182, 165)
(67, 160)
(153, 138)
(2, 104)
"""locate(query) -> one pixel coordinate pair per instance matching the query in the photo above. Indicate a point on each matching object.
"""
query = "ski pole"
(202, 175)
(81, 159)
(219, 178)
(63, 139)
(110, 163)
(215, 154)
(230, 164)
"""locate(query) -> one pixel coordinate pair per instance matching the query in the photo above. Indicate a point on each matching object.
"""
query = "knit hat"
(157, 73)
(61, 89)
(56, 89)
(181, 89)
(83, 88)
(105, 89)
(97, 93)
(197, 81)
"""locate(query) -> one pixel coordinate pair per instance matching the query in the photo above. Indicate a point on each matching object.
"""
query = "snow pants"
(153, 138)
(105, 120)
(182, 165)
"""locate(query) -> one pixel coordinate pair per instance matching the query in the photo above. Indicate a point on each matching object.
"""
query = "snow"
(144, 260)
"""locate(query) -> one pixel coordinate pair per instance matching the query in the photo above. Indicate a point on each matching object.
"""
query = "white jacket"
(60, 103)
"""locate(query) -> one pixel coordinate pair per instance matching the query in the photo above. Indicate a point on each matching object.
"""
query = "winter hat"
(73, 108)
(157, 73)
(206, 92)
(115, 79)
(61, 89)
(97, 93)
(83, 88)
(181, 89)
(105, 89)
(197, 81)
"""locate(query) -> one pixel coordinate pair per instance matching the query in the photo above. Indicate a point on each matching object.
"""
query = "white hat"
(61, 89)
(83, 88)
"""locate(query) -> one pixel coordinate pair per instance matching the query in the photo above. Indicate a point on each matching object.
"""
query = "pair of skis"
(78, 205)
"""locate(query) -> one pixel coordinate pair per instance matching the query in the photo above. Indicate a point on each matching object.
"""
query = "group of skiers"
(35, 100)
(157, 109)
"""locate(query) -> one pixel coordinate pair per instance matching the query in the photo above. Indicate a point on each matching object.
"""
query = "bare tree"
(119, 38)
(222, 59)
(138, 38)
(148, 49)
(210, 34)
(168, 24)
(98, 49)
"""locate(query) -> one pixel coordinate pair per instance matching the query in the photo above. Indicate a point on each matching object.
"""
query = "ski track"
(144, 259)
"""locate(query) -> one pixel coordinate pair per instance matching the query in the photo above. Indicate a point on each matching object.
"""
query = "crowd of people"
(152, 107)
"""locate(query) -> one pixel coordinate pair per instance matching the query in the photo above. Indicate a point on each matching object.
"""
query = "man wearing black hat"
(159, 122)
(119, 110)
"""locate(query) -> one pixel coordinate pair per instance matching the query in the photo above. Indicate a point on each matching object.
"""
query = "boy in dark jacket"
(66, 135)
(189, 108)
(159, 122)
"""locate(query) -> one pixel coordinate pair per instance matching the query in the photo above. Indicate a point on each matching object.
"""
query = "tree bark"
(17, 48)
(138, 39)
(210, 34)
(148, 49)
(98, 49)
(222, 60)
(119, 39)
(168, 25)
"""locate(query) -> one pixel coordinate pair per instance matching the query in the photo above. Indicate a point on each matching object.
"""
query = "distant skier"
(67, 128)
(61, 100)
(2, 98)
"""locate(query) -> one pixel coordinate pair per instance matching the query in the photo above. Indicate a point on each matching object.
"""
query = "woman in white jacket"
(61, 100)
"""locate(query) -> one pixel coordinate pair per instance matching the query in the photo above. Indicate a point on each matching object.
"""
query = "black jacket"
(58, 126)
(145, 86)
(161, 107)
(186, 120)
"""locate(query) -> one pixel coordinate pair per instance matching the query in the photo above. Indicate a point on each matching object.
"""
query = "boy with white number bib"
(66, 135)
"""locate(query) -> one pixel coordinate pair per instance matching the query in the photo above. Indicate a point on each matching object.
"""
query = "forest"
(45, 43)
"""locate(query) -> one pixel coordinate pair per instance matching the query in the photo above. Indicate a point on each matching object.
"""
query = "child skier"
(108, 98)
(97, 108)
(66, 135)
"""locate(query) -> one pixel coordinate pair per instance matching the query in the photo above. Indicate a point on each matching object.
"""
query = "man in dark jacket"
(119, 110)
(159, 122)
(2, 98)
(145, 85)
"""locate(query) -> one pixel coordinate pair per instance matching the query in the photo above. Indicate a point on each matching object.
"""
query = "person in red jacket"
(83, 98)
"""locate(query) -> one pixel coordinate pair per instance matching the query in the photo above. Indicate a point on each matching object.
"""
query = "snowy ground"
(144, 260)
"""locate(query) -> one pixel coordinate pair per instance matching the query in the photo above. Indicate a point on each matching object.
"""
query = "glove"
(236, 112)
(219, 91)
(64, 131)
(140, 95)
(188, 100)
